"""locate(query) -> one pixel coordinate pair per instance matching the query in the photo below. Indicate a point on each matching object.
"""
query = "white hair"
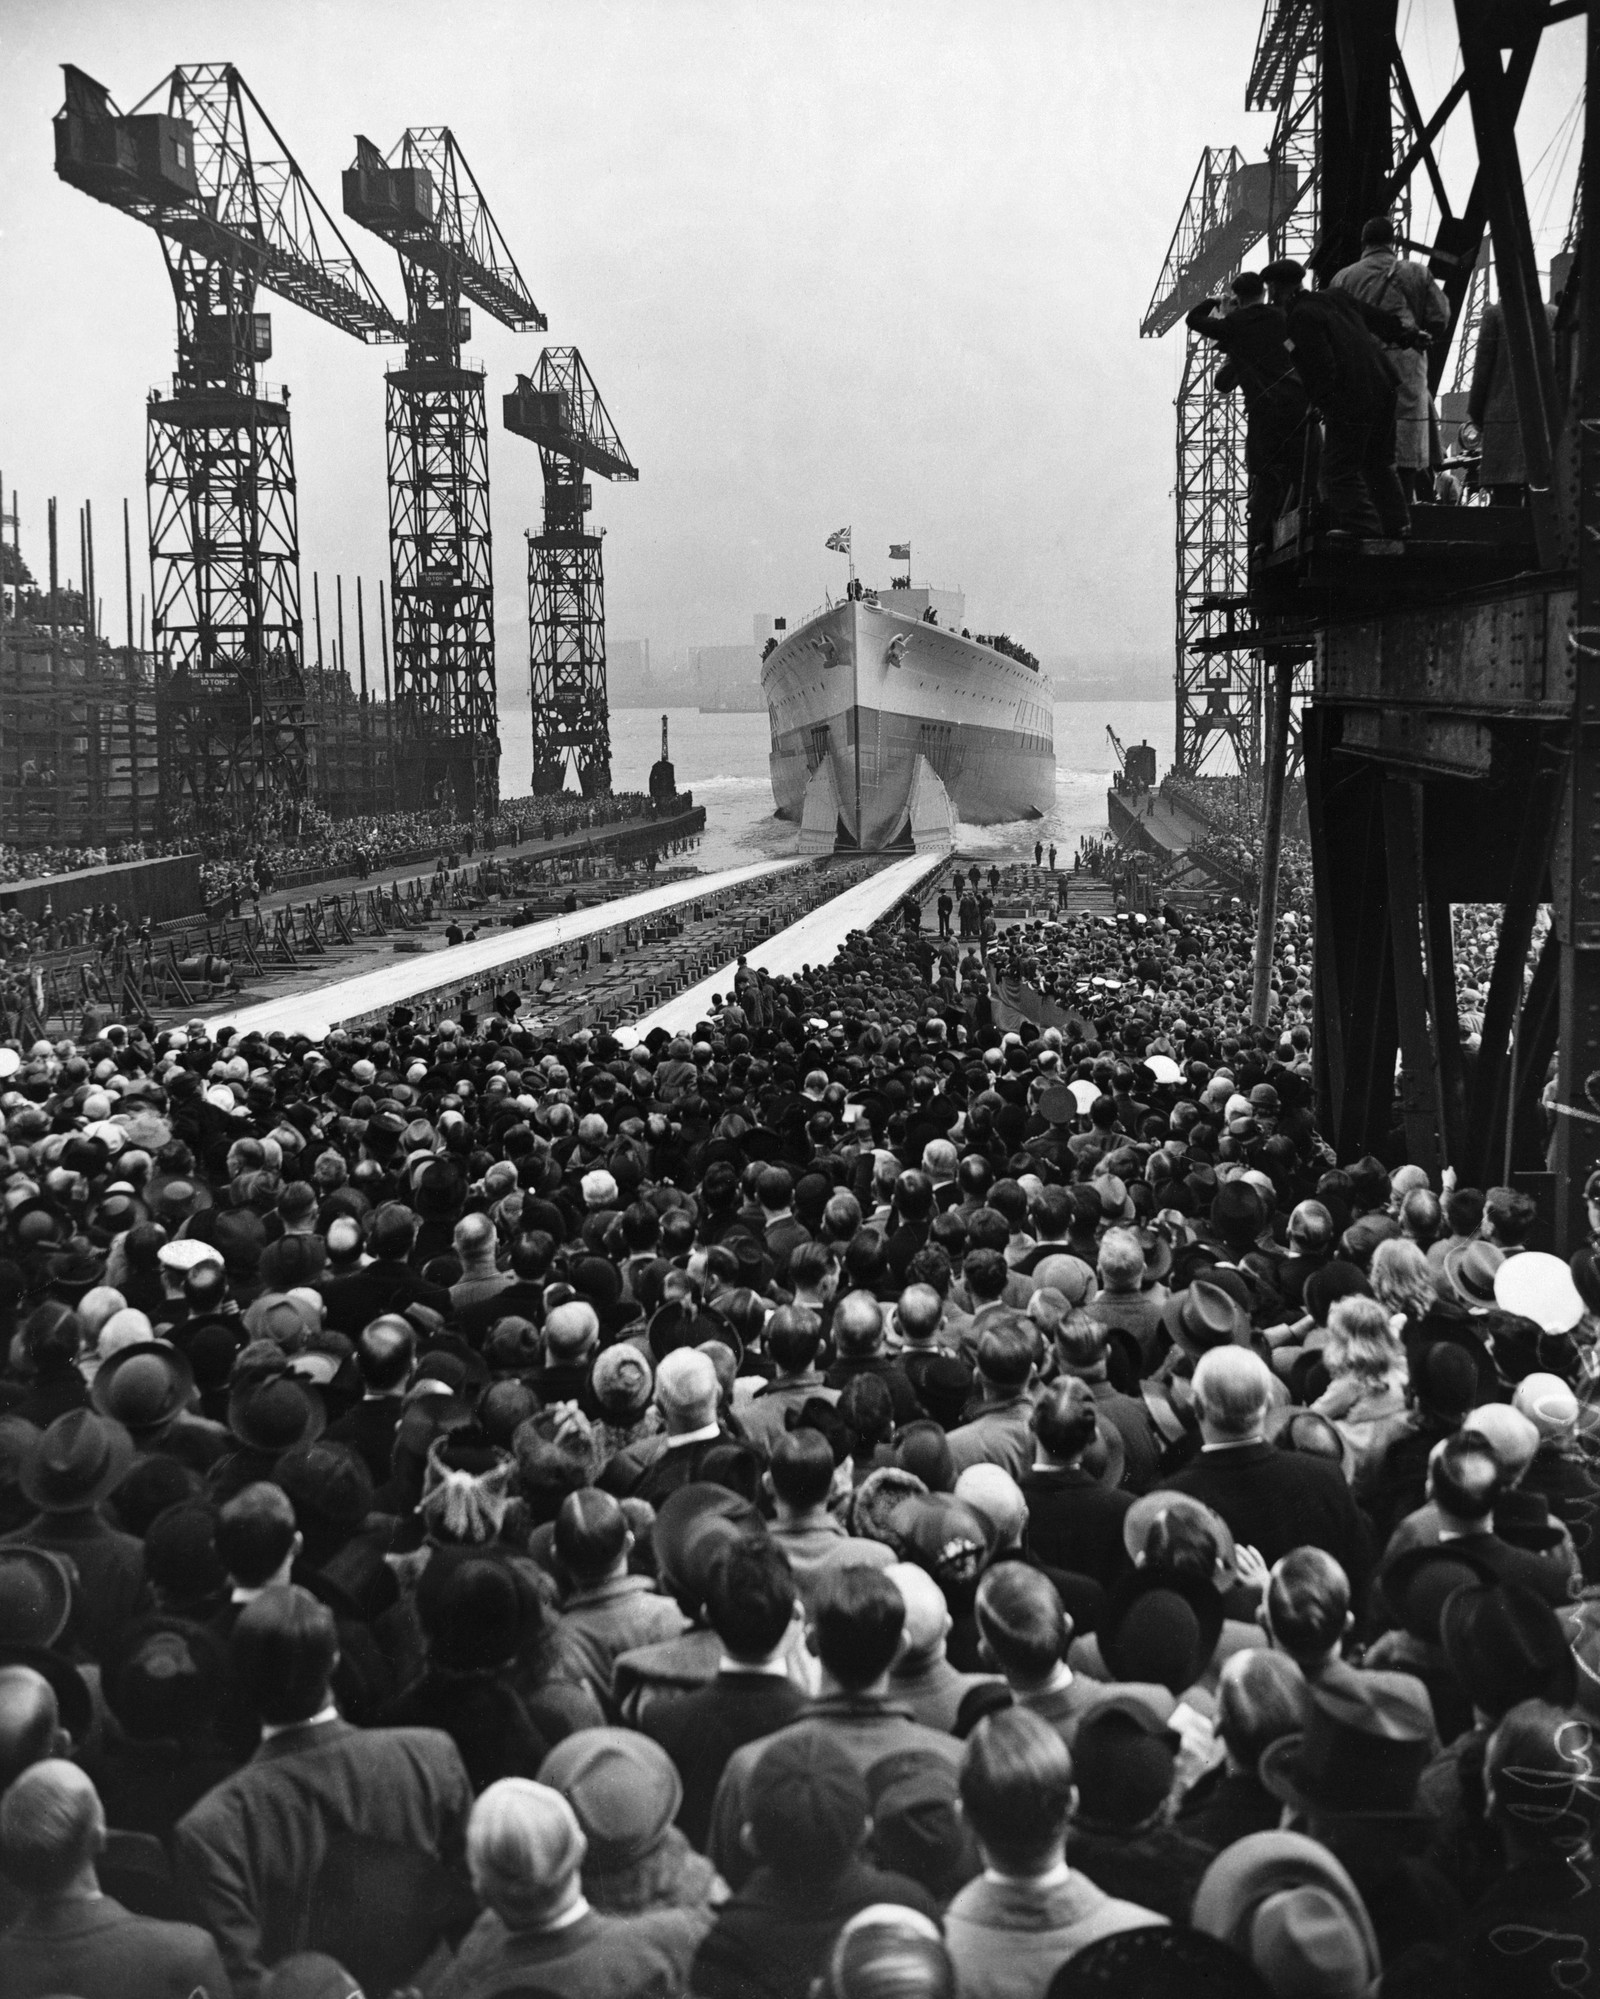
(687, 1387)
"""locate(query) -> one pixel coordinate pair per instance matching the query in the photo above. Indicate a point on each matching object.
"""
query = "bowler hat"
(1159, 1627)
(1365, 1743)
(276, 1415)
(143, 1386)
(76, 1463)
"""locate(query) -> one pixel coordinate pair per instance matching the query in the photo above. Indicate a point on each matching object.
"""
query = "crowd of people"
(243, 867)
(848, 1501)
(21, 864)
(247, 862)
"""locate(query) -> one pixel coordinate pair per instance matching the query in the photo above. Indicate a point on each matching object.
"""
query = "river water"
(722, 759)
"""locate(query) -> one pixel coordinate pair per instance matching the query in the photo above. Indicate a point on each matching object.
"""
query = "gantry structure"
(560, 409)
(1222, 703)
(1452, 737)
(199, 163)
(423, 199)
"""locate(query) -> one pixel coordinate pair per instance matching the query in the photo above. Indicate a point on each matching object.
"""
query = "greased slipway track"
(437, 972)
(811, 941)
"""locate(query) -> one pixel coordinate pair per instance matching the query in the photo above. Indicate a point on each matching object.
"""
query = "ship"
(889, 723)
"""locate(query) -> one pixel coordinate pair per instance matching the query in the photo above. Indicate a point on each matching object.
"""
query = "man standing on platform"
(1382, 278)
(1251, 334)
(1355, 387)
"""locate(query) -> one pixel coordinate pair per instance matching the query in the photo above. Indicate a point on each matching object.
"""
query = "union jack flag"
(840, 542)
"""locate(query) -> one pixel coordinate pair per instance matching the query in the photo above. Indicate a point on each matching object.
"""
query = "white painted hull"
(871, 689)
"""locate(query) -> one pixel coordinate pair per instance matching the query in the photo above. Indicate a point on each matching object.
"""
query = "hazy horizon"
(881, 266)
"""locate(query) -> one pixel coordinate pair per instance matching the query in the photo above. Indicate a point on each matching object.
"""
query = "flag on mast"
(899, 551)
(839, 542)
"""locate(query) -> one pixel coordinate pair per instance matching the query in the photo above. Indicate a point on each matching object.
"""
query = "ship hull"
(870, 690)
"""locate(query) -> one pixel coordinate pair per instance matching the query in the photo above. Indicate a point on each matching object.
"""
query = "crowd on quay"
(291, 839)
(19, 864)
(244, 868)
(845, 1502)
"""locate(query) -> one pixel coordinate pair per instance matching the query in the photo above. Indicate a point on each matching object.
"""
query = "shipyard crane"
(1232, 205)
(1227, 212)
(560, 410)
(199, 162)
(423, 199)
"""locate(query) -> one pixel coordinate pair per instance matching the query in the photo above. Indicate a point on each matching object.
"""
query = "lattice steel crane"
(560, 409)
(1227, 212)
(208, 172)
(1231, 206)
(424, 201)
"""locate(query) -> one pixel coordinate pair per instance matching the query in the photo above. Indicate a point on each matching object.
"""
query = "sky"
(877, 263)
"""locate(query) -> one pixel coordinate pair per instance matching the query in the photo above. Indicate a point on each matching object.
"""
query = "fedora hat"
(1364, 1746)
(1157, 1254)
(1203, 1315)
(1252, 1879)
(276, 1415)
(72, 1272)
(1115, 1206)
(143, 1386)
(1473, 1272)
(77, 1462)
(693, 1524)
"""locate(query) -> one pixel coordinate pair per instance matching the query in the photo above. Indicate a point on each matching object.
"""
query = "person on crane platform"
(1333, 340)
(1251, 333)
(1381, 277)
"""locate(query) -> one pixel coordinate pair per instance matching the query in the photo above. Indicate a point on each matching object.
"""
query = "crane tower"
(199, 162)
(423, 200)
(560, 410)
